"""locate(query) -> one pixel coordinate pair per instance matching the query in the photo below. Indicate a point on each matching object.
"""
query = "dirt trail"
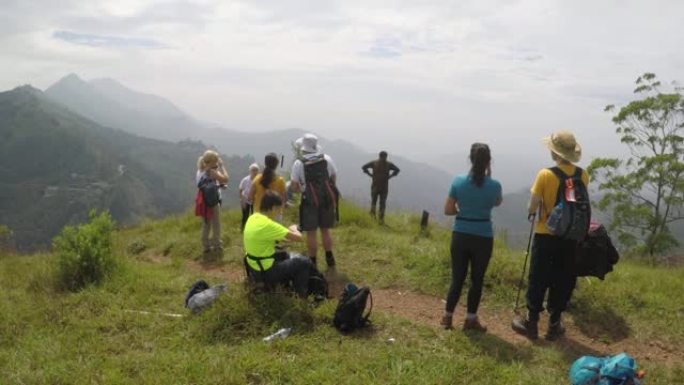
(427, 310)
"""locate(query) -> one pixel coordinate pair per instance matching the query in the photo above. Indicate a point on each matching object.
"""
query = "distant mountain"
(56, 165)
(110, 104)
(419, 186)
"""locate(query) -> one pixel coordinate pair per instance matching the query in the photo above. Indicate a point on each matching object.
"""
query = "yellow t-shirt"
(546, 186)
(260, 236)
(277, 185)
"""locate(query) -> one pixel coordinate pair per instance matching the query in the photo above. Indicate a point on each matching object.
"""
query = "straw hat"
(563, 144)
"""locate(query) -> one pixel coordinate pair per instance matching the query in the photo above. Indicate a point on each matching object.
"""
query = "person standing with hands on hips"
(383, 171)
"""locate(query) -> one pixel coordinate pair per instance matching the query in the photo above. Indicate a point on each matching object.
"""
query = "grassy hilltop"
(123, 331)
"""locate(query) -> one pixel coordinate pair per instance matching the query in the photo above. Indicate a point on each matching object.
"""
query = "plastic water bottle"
(281, 333)
(553, 221)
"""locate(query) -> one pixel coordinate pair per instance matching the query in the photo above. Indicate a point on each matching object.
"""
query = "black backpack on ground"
(571, 215)
(210, 190)
(596, 254)
(196, 287)
(349, 312)
(320, 189)
(318, 285)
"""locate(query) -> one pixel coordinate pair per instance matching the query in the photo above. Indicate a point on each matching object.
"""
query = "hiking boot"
(330, 260)
(313, 260)
(475, 325)
(446, 322)
(555, 331)
(525, 327)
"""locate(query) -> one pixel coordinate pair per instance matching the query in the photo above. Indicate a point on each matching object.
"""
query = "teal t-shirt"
(475, 205)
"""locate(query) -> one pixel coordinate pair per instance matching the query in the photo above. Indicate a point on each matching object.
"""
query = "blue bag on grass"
(620, 369)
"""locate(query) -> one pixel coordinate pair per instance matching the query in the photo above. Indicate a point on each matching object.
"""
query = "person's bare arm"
(450, 206)
(366, 167)
(534, 204)
(294, 234)
(295, 187)
(220, 176)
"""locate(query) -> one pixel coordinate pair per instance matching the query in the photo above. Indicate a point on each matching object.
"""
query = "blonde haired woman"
(210, 166)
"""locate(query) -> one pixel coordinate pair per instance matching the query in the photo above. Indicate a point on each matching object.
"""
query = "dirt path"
(427, 310)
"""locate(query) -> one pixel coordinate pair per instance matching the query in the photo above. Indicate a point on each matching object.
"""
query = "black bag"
(320, 189)
(571, 215)
(318, 285)
(210, 190)
(196, 287)
(596, 254)
(349, 312)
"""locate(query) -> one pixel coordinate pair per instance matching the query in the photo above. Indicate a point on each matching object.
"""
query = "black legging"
(247, 210)
(473, 250)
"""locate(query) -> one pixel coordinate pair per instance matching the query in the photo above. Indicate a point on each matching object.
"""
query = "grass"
(95, 336)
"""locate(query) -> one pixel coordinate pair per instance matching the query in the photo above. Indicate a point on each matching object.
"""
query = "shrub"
(84, 252)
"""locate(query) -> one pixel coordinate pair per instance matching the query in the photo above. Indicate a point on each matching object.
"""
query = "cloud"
(385, 48)
(106, 41)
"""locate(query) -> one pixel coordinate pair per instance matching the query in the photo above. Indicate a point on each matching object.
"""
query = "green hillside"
(121, 332)
(56, 165)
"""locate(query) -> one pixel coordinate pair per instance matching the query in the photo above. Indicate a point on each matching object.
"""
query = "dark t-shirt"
(381, 173)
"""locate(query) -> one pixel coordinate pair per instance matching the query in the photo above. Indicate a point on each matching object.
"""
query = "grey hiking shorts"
(312, 217)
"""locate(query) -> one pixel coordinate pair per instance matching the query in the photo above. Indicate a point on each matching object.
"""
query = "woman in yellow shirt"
(268, 180)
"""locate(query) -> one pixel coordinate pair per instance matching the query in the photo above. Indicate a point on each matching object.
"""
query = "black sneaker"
(525, 327)
(555, 331)
(330, 260)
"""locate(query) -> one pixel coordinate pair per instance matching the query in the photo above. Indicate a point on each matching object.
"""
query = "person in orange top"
(551, 257)
(267, 180)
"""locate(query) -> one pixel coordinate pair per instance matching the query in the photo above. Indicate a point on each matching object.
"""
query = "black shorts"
(312, 217)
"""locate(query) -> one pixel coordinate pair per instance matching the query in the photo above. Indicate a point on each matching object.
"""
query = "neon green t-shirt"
(260, 236)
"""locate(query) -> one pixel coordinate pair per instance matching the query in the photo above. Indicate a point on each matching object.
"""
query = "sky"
(424, 79)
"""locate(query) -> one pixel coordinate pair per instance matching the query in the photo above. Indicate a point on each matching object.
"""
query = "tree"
(645, 191)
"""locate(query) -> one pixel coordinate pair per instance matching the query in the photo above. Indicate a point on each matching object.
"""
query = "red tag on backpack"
(569, 191)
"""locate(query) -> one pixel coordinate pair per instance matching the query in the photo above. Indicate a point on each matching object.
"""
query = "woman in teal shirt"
(471, 198)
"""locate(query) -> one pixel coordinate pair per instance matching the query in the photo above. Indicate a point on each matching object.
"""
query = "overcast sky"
(422, 78)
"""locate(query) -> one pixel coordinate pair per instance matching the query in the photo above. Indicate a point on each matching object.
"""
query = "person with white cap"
(551, 257)
(244, 188)
(314, 175)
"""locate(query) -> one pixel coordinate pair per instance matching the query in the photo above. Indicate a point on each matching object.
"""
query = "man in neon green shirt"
(260, 236)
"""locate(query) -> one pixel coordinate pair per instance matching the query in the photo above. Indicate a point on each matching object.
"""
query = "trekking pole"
(530, 218)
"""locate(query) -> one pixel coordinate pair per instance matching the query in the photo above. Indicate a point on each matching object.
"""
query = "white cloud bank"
(422, 78)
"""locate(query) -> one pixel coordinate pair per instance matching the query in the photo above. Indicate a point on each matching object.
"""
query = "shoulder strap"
(365, 317)
(561, 185)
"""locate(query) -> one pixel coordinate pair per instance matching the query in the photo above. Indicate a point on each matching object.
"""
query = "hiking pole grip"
(531, 218)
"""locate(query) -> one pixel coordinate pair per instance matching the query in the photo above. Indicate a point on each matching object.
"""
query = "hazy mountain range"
(56, 165)
(98, 144)
(111, 104)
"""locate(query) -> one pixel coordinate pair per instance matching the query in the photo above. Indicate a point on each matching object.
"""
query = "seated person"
(260, 236)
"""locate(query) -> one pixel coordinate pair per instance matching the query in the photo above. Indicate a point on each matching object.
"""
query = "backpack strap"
(561, 185)
(365, 317)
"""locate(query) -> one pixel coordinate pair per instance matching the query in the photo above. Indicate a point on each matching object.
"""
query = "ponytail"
(480, 158)
(269, 174)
